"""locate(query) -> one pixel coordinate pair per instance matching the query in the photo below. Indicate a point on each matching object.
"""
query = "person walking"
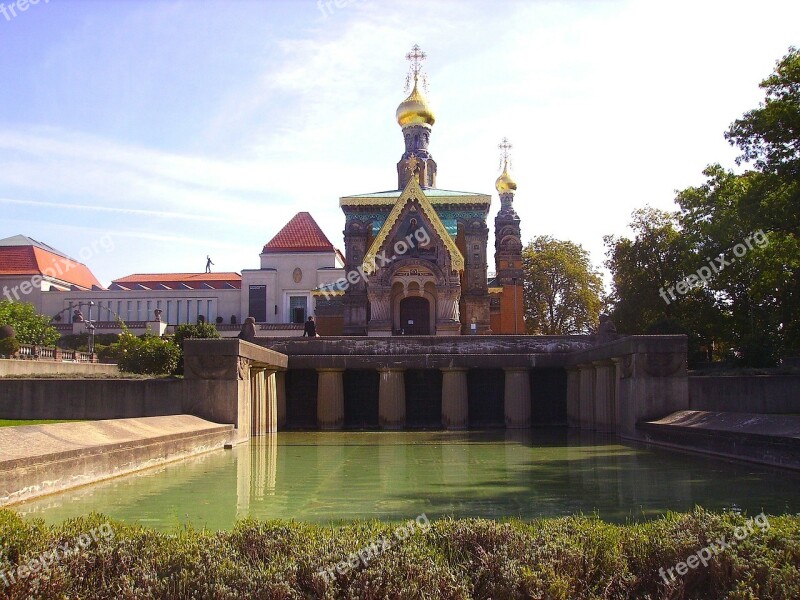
(310, 328)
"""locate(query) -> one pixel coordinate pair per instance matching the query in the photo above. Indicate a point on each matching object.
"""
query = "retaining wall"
(766, 394)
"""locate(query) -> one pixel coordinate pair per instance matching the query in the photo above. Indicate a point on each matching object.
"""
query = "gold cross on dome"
(415, 57)
(505, 152)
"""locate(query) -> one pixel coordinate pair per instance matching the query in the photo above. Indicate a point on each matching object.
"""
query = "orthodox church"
(419, 253)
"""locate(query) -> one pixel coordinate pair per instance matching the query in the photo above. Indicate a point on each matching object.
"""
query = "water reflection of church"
(417, 255)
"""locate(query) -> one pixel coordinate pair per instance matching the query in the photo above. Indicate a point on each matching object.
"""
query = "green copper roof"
(435, 195)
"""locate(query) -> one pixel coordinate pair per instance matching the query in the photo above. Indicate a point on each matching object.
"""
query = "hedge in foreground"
(574, 558)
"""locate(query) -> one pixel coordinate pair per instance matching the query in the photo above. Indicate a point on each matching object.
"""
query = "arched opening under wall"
(301, 399)
(486, 397)
(423, 398)
(361, 389)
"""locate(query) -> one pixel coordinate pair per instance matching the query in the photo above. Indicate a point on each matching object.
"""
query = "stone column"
(455, 399)
(270, 402)
(280, 393)
(604, 374)
(392, 399)
(586, 396)
(573, 397)
(330, 399)
(257, 402)
(517, 398)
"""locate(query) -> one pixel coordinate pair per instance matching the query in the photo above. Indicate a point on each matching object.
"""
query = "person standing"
(208, 264)
(310, 328)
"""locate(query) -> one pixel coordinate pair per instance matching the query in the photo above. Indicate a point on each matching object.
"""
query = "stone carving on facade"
(243, 368)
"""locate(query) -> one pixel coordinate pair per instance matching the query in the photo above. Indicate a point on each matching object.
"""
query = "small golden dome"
(505, 183)
(415, 110)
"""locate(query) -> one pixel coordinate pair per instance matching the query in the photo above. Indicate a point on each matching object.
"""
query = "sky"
(180, 129)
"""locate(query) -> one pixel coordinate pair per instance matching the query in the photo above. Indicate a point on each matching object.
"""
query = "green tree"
(769, 136)
(645, 271)
(562, 289)
(31, 328)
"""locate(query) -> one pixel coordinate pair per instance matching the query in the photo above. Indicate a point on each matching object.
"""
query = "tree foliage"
(749, 308)
(562, 289)
(31, 328)
(147, 355)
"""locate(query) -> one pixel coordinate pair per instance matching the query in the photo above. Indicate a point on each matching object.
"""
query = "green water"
(324, 477)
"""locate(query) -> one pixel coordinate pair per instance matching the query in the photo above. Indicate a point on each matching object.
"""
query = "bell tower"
(416, 118)
(508, 249)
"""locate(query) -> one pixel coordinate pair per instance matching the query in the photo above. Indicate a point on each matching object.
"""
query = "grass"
(571, 558)
(16, 423)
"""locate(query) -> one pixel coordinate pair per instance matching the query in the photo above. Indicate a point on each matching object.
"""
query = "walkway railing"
(48, 353)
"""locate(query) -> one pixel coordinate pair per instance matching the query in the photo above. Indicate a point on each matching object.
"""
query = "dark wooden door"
(415, 316)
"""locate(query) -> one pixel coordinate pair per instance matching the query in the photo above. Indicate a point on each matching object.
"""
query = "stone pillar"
(330, 399)
(270, 402)
(586, 396)
(517, 398)
(280, 393)
(455, 399)
(392, 399)
(573, 397)
(604, 375)
(257, 402)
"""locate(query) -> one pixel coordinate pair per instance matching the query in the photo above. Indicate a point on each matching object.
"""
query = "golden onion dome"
(505, 183)
(415, 110)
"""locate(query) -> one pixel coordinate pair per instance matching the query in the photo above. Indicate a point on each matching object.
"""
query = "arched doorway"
(415, 316)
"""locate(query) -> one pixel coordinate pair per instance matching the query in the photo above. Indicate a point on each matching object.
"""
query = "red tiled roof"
(176, 280)
(33, 260)
(301, 234)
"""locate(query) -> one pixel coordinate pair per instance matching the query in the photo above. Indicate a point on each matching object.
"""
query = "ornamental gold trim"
(439, 200)
(413, 191)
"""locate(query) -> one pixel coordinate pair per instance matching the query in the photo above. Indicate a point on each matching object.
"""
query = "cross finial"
(415, 72)
(505, 153)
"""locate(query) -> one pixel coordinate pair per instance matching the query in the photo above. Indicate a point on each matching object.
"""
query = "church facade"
(421, 253)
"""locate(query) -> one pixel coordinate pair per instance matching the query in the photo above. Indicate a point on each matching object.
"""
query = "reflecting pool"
(340, 476)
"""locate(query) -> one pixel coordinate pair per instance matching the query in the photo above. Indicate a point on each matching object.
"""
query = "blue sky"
(189, 128)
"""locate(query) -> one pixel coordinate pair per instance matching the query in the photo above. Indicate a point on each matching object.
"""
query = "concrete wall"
(92, 399)
(40, 367)
(776, 394)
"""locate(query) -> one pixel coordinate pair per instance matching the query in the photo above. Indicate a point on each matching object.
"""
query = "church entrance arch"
(415, 316)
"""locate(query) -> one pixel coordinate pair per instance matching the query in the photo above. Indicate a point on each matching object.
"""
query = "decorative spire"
(415, 72)
(505, 184)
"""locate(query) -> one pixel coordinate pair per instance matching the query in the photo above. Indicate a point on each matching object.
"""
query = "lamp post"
(90, 327)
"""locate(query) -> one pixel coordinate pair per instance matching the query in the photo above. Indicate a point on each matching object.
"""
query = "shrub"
(9, 346)
(31, 328)
(146, 355)
(571, 558)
